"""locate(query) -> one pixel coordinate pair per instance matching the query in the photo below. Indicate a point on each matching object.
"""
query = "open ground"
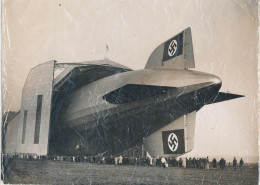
(64, 172)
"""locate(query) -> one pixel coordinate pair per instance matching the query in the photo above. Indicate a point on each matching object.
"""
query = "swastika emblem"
(173, 142)
(172, 48)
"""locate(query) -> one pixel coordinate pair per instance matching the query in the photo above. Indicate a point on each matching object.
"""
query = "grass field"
(63, 172)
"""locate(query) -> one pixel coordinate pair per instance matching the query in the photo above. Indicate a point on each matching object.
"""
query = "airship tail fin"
(175, 139)
(224, 96)
(175, 53)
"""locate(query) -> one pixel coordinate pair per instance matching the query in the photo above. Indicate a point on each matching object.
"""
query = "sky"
(224, 42)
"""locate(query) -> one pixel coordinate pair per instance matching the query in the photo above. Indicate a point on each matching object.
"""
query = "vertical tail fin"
(175, 53)
(174, 139)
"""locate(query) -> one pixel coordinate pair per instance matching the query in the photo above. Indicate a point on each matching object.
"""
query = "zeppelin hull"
(121, 130)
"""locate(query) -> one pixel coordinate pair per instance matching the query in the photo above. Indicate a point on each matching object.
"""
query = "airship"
(104, 107)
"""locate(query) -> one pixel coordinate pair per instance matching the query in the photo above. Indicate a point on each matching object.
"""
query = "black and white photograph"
(129, 92)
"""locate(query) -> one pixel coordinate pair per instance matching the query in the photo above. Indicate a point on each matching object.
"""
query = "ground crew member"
(184, 162)
(164, 163)
(241, 163)
(120, 160)
(207, 164)
(214, 163)
(234, 163)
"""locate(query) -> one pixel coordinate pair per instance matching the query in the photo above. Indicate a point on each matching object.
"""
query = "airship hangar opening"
(74, 77)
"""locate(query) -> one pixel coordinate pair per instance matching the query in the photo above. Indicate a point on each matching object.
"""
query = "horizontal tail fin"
(175, 53)
(224, 97)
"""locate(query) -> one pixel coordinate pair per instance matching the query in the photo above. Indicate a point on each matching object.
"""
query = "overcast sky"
(224, 40)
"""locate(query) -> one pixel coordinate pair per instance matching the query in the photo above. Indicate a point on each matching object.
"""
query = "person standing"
(184, 163)
(116, 160)
(241, 162)
(199, 163)
(120, 160)
(180, 162)
(224, 164)
(151, 161)
(221, 163)
(164, 162)
(214, 163)
(207, 163)
(235, 163)
(194, 162)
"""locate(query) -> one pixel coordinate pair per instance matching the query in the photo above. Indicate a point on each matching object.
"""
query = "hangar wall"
(11, 135)
(28, 132)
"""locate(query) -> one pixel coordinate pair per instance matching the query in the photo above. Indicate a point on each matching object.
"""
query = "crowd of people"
(200, 163)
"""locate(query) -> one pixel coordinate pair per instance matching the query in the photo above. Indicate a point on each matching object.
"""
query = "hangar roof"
(80, 74)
